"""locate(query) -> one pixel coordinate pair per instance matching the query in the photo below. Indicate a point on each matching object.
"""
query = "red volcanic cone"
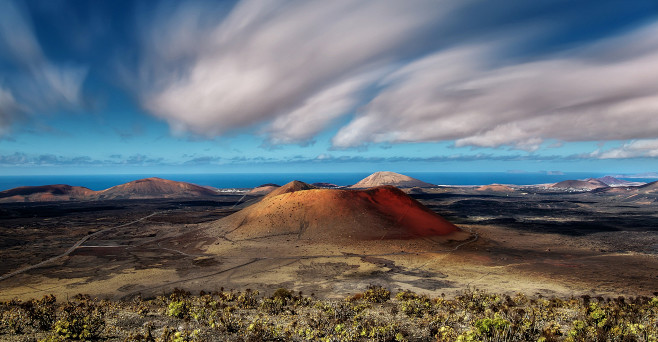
(328, 214)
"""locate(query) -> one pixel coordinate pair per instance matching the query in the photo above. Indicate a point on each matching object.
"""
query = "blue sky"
(319, 86)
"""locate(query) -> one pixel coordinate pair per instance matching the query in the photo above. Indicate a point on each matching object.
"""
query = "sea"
(250, 180)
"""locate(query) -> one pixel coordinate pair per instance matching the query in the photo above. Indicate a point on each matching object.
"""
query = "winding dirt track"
(76, 245)
(249, 261)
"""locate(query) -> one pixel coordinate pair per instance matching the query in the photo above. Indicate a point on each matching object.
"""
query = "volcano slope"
(45, 193)
(328, 215)
(154, 188)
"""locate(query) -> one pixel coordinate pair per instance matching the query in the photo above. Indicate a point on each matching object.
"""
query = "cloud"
(291, 69)
(325, 158)
(8, 109)
(313, 116)
(31, 82)
(205, 160)
(27, 160)
(23, 159)
(644, 148)
(141, 159)
(602, 92)
(294, 66)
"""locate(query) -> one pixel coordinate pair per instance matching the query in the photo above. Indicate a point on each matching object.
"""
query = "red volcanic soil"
(43, 193)
(330, 214)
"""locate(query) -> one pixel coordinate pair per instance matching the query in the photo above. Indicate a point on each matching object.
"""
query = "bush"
(79, 321)
(233, 316)
(376, 294)
(248, 299)
(179, 309)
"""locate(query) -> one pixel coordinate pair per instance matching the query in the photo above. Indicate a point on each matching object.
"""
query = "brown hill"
(646, 194)
(326, 185)
(612, 181)
(587, 184)
(391, 178)
(46, 193)
(648, 188)
(263, 189)
(291, 187)
(154, 188)
(494, 187)
(336, 215)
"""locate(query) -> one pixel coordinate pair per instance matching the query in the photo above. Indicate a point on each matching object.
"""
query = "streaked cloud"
(290, 69)
(291, 65)
(644, 148)
(48, 159)
(204, 160)
(605, 91)
(32, 83)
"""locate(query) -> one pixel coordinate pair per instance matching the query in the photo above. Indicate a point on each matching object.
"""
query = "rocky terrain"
(531, 239)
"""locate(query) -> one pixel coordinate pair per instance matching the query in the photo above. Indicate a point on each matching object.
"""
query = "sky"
(102, 87)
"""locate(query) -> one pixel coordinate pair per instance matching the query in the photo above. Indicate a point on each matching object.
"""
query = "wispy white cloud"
(292, 68)
(635, 149)
(34, 83)
(291, 63)
(316, 113)
(590, 94)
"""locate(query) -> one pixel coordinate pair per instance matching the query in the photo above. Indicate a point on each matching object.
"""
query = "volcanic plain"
(507, 239)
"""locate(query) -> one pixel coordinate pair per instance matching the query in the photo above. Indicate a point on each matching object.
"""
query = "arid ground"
(548, 243)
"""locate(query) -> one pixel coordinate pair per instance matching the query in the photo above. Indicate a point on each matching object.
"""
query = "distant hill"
(326, 185)
(336, 215)
(390, 178)
(639, 175)
(154, 188)
(646, 194)
(587, 184)
(291, 187)
(139, 189)
(612, 181)
(648, 188)
(46, 193)
(263, 189)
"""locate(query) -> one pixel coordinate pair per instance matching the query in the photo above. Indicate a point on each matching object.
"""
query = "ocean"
(250, 180)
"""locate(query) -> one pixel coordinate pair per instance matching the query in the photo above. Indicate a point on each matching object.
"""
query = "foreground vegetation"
(374, 315)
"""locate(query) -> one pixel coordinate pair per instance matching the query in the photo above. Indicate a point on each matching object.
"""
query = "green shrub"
(79, 321)
(376, 294)
(179, 309)
(248, 299)
(233, 316)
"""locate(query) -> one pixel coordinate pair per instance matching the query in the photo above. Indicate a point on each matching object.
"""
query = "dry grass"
(373, 315)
